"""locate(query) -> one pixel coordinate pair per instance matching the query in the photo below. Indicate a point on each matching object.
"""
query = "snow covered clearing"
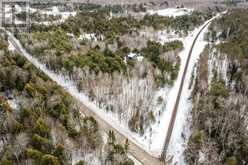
(165, 36)
(153, 139)
(55, 12)
(171, 12)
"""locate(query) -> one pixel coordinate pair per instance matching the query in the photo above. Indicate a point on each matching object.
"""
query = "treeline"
(101, 22)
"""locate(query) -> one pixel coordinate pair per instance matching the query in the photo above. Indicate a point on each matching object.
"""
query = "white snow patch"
(171, 12)
(55, 12)
(14, 104)
(140, 58)
(88, 36)
(136, 56)
(11, 47)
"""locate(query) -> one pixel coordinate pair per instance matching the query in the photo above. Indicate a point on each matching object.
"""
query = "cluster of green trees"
(187, 23)
(97, 61)
(156, 21)
(117, 149)
(153, 52)
(232, 28)
(100, 23)
(56, 40)
(37, 17)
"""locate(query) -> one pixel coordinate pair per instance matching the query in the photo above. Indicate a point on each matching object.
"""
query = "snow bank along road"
(175, 109)
(134, 149)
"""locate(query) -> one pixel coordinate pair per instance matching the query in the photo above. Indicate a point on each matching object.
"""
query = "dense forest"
(219, 116)
(41, 124)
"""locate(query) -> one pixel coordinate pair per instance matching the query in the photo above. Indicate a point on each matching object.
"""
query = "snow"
(88, 36)
(152, 143)
(164, 37)
(140, 58)
(171, 12)
(221, 66)
(159, 130)
(11, 47)
(181, 131)
(55, 11)
(13, 103)
(132, 55)
(135, 56)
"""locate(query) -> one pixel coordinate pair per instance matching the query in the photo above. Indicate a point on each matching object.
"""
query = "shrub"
(197, 137)
(6, 162)
(232, 161)
(4, 106)
(41, 128)
(49, 160)
(41, 143)
(219, 89)
(34, 154)
(30, 90)
(81, 162)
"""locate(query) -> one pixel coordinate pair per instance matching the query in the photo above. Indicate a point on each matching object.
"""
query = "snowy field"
(153, 139)
(171, 12)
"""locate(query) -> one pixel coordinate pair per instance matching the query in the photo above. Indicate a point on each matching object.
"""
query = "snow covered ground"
(181, 131)
(171, 12)
(152, 143)
(55, 12)
(181, 128)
